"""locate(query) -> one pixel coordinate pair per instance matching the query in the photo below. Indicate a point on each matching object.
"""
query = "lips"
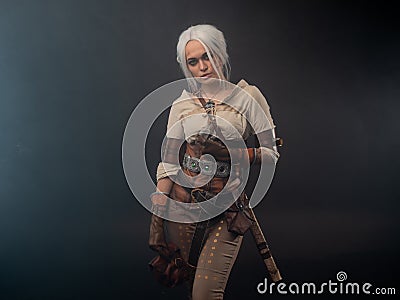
(206, 75)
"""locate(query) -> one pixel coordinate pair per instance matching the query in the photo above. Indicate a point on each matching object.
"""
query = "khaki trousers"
(217, 257)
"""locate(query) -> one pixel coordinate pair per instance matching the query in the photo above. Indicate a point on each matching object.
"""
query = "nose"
(203, 66)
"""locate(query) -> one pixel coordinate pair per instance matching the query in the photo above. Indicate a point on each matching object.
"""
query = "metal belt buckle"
(223, 169)
(191, 164)
(210, 168)
(207, 167)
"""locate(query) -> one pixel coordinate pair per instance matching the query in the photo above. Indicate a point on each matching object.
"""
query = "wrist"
(159, 198)
(159, 193)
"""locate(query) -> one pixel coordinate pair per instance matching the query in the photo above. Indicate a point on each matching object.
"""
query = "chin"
(203, 79)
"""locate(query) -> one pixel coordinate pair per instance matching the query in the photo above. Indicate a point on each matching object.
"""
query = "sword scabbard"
(263, 248)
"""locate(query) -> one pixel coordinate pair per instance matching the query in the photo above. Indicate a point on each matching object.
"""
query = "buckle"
(207, 167)
(219, 169)
(179, 262)
(223, 169)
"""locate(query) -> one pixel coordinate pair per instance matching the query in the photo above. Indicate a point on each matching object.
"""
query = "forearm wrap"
(173, 150)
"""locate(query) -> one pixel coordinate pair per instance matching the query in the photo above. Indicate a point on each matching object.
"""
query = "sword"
(260, 240)
(263, 248)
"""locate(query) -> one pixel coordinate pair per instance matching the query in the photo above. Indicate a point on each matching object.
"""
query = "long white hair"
(213, 41)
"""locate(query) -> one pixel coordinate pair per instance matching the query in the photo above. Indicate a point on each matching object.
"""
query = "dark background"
(71, 73)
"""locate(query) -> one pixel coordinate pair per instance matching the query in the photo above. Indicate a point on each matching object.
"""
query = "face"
(198, 62)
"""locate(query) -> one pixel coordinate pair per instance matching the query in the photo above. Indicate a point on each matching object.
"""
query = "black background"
(71, 73)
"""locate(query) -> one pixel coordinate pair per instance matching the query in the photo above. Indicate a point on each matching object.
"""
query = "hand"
(233, 184)
(221, 153)
(217, 150)
(236, 184)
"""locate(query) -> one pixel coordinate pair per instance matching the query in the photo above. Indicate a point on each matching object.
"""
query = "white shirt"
(234, 114)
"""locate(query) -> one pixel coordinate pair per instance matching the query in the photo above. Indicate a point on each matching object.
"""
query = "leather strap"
(197, 242)
(216, 128)
(197, 194)
(199, 233)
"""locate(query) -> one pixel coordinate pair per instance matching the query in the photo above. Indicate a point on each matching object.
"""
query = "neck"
(212, 88)
(216, 90)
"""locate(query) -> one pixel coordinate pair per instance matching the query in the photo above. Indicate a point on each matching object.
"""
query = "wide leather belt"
(193, 164)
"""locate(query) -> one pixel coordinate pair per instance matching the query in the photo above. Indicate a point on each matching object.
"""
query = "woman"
(211, 244)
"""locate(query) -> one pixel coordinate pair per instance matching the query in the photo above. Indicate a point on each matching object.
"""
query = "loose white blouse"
(242, 113)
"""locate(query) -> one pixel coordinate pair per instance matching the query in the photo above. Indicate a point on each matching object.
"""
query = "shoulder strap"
(201, 227)
(203, 102)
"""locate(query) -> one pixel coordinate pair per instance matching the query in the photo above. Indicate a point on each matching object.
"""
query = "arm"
(166, 169)
(169, 166)
(267, 149)
(264, 129)
(164, 186)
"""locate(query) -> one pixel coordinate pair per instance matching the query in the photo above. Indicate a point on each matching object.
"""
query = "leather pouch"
(237, 218)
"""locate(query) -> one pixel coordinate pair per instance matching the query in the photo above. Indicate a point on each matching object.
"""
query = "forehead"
(194, 49)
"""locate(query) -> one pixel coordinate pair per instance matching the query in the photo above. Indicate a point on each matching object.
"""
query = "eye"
(192, 61)
(205, 56)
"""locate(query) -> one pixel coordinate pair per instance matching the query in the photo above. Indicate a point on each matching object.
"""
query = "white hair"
(213, 41)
